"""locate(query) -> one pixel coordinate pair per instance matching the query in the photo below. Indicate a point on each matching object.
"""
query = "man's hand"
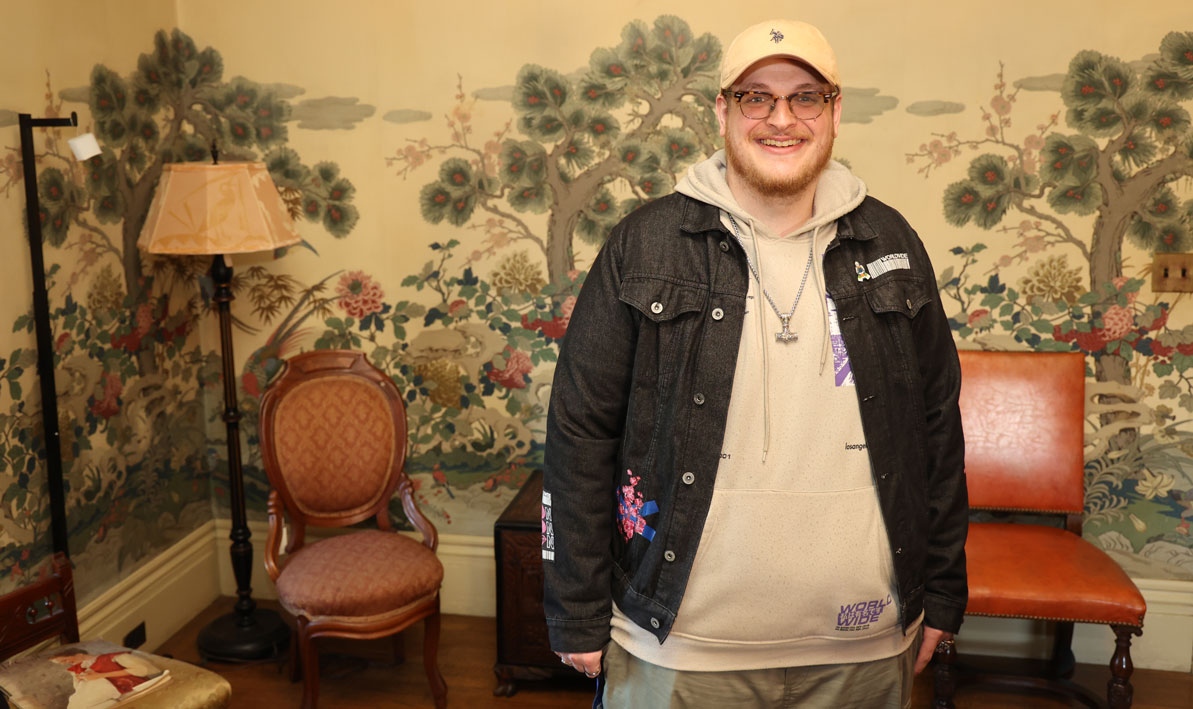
(932, 638)
(587, 662)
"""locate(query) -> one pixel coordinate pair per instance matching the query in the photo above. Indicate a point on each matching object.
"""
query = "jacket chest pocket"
(669, 312)
(895, 301)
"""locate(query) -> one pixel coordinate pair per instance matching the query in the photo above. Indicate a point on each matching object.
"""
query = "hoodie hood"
(838, 192)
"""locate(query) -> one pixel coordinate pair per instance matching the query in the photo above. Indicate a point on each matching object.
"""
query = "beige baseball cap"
(788, 38)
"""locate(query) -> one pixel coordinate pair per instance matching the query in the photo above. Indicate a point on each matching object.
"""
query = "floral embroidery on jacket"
(632, 511)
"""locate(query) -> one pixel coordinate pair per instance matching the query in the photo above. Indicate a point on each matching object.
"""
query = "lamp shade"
(227, 208)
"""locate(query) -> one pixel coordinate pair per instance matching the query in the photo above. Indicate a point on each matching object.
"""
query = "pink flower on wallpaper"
(517, 366)
(144, 319)
(1117, 321)
(108, 406)
(557, 326)
(1119, 283)
(359, 294)
(568, 306)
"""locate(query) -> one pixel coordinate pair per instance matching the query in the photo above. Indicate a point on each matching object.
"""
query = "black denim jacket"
(643, 384)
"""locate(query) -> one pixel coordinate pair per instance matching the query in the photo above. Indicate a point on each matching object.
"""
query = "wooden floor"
(362, 675)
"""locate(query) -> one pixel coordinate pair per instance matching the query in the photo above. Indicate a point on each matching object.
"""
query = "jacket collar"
(699, 217)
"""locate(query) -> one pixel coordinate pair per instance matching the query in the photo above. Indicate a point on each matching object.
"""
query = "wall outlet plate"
(1172, 273)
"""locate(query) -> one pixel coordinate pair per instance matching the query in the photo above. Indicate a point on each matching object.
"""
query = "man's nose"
(781, 117)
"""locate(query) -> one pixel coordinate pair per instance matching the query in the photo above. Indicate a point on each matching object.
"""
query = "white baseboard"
(165, 593)
(179, 583)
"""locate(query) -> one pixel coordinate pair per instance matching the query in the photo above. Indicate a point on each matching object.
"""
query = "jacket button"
(698, 398)
(717, 313)
(654, 623)
(909, 303)
(899, 550)
(882, 477)
(669, 555)
(688, 478)
(724, 246)
(656, 307)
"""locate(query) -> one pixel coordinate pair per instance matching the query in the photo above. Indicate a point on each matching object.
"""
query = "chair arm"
(421, 523)
(277, 522)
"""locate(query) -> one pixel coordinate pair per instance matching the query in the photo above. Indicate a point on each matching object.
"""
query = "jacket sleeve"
(584, 433)
(946, 591)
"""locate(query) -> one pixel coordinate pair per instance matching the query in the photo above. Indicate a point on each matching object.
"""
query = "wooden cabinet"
(523, 651)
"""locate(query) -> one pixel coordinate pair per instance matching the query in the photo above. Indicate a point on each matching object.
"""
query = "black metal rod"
(41, 319)
(241, 550)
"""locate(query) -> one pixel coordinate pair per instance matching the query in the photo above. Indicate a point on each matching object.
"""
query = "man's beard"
(771, 185)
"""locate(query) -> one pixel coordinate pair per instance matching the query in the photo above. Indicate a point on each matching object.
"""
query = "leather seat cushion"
(364, 573)
(1031, 571)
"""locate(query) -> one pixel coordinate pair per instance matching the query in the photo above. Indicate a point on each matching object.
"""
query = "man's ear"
(722, 113)
(837, 115)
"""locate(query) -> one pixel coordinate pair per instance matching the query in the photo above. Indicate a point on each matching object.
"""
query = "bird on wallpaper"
(266, 361)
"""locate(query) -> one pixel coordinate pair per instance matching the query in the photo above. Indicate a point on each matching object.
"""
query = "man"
(749, 525)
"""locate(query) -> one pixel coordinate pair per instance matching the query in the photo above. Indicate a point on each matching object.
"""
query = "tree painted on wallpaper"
(1123, 165)
(641, 113)
(134, 434)
(580, 152)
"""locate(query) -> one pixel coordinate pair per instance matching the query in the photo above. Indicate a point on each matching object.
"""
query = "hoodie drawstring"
(762, 339)
(816, 266)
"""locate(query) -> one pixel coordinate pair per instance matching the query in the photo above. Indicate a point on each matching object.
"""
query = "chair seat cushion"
(1031, 571)
(364, 573)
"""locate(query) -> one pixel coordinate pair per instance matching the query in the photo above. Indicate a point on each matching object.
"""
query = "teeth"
(780, 143)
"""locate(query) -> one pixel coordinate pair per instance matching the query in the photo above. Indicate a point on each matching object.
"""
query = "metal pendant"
(786, 335)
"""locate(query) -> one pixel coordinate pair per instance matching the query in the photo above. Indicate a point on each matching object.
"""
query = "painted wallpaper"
(449, 217)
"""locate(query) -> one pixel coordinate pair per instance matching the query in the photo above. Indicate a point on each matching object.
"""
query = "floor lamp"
(219, 209)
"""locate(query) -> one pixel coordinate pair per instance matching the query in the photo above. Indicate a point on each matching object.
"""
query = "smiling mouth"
(780, 142)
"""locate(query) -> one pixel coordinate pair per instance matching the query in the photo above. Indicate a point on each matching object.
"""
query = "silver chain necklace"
(786, 335)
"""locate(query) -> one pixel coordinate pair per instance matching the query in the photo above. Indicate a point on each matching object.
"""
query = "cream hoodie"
(794, 567)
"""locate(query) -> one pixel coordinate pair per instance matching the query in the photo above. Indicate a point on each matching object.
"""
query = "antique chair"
(1023, 414)
(46, 609)
(333, 442)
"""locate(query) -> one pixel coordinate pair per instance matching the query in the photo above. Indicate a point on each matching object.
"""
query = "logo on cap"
(776, 36)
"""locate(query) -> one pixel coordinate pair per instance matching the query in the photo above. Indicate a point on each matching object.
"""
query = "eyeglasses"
(804, 105)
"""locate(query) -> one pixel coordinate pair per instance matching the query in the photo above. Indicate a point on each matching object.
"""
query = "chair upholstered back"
(333, 435)
(1024, 418)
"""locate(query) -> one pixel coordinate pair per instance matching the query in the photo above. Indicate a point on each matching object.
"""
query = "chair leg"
(1063, 662)
(310, 664)
(399, 643)
(295, 658)
(1119, 692)
(430, 659)
(944, 674)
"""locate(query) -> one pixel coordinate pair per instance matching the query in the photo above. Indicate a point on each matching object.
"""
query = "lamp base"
(225, 640)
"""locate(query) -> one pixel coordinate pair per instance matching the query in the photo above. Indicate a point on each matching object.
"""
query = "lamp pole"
(248, 633)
